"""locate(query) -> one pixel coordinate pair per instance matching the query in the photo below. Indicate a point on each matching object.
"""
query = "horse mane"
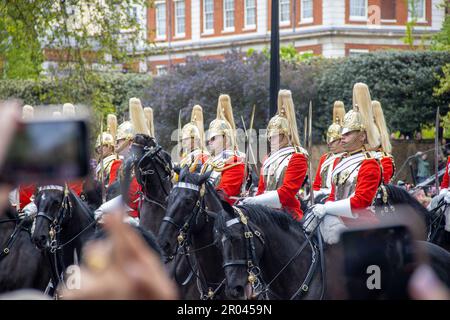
(260, 216)
(400, 196)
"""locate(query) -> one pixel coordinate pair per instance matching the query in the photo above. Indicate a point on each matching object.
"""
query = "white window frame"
(284, 22)
(162, 36)
(424, 17)
(205, 30)
(357, 18)
(249, 26)
(309, 19)
(161, 69)
(225, 28)
(357, 51)
(179, 34)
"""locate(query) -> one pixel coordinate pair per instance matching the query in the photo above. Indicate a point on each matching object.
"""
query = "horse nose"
(237, 293)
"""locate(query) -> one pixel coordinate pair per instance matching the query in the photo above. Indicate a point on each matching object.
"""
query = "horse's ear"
(203, 177)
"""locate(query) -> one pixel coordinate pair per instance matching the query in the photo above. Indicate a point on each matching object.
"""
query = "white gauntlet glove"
(269, 199)
(331, 229)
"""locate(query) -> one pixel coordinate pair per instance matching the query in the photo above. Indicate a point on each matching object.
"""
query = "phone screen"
(378, 262)
(44, 151)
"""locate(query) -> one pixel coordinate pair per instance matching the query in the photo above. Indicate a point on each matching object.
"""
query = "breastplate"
(345, 176)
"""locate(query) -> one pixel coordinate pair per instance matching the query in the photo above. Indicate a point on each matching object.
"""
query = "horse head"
(152, 165)
(242, 245)
(52, 204)
(183, 205)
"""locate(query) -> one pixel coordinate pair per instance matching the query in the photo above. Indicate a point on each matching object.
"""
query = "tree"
(76, 33)
(441, 42)
(402, 81)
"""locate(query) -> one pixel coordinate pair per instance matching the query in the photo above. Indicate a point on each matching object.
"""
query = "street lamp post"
(274, 58)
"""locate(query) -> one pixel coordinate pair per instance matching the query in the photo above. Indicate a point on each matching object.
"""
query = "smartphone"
(46, 151)
(378, 263)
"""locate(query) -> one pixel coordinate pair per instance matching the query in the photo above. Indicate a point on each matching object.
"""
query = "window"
(250, 13)
(133, 13)
(161, 70)
(208, 15)
(160, 20)
(307, 10)
(416, 10)
(228, 13)
(388, 9)
(358, 9)
(357, 52)
(180, 18)
(285, 11)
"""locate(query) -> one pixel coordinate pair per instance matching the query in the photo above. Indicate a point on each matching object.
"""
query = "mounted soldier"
(322, 182)
(384, 150)
(284, 168)
(356, 175)
(227, 164)
(194, 154)
(125, 135)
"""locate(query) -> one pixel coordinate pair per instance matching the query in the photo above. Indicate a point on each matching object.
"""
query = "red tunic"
(292, 182)
(445, 180)
(114, 172)
(387, 162)
(231, 179)
(76, 186)
(133, 191)
(318, 179)
(133, 197)
(368, 180)
(26, 192)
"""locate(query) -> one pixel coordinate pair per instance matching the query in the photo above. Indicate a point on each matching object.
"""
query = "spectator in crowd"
(423, 167)
(418, 135)
(422, 197)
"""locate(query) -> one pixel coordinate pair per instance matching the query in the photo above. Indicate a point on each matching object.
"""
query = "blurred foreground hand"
(425, 285)
(121, 267)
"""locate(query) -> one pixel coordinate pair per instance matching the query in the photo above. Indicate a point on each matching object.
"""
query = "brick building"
(332, 28)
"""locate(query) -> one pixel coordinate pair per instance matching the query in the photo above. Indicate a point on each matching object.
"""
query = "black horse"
(267, 254)
(21, 264)
(63, 224)
(153, 170)
(395, 203)
(268, 251)
(187, 230)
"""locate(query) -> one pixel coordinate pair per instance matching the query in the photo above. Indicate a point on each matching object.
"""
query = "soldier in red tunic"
(322, 182)
(356, 176)
(284, 169)
(385, 148)
(125, 135)
(193, 152)
(226, 164)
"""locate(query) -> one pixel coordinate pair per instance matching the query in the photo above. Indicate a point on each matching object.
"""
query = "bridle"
(55, 228)
(251, 261)
(153, 155)
(184, 235)
(13, 237)
(260, 287)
